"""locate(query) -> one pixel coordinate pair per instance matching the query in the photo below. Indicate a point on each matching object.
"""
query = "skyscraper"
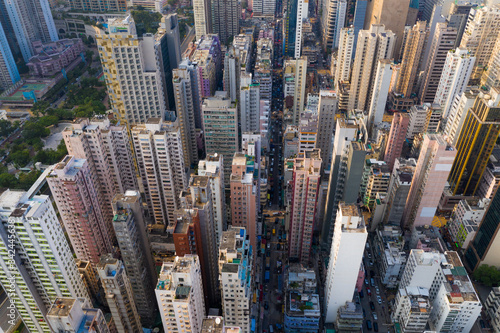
(8, 69)
(213, 167)
(202, 18)
(77, 198)
(359, 20)
(458, 111)
(344, 56)
(432, 170)
(349, 238)
(442, 41)
(454, 78)
(305, 189)
(235, 267)
(412, 57)
(130, 226)
(31, 20)
(36, 262)
(475, 143)
(302, 14)
(491, 75)
(180, 287)
(188, 106)
(226, 18)
(327, 112)
(397, 136)
(119, 294)
(483, 249)
(392, 14)
(160, 162)
(332, 21)
(480, 36)
(398, 189)
(220, 121)
(373, 45)
(295, 85)
(380, 90)
(130, 63)
(249, 104)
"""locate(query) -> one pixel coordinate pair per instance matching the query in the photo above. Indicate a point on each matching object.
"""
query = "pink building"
(361, 278)
(244, 195)
(52, 57)
(430, 177)
(71, 183)
(397, 137)
(305, 189)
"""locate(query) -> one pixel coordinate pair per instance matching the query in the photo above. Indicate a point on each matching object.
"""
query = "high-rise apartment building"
(491, 176)
(412, 57)
(69, 314)
(99, 5)
(188, 106)
(226, 18)
(454, 78)
(130, 226)
(412, 309)
(213, 167)
(106, 148)
(397, 136)
(198, 197)
(160, 161)
(432, 170)
(249, 104)
(332, 21)
(179, 293)
(29, 20)
(77, 198)
(483, 249)
(263, 67)
(294, 77)
(380, 91)
(235, 267)
(305, 189)
(302, 14)
(392, 14)
(9, 73)
(36, 262)
(119, 294)
(202, 18)
(491, 75)
(327, 111)
(423, 118)
(477, 138)
(373, 45)
(397, 192)
(480, 35)
(461, 104)
(442, 41)
(245, 194)
(88, 273)
(344, 56)
(359, 20)
(377, 185)
(136, 83)
(220, 121)
(208, 57)
(346, 254)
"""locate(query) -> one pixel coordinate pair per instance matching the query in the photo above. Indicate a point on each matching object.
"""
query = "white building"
(179, 293)
(160, 161)
(213, 167)
(74, 315)
(465, 219)
(119, 295)
(412, 309)
(380, 92)
(454, 78)
(348, 244)
(43, 267)
(491, 176)
(332, 21)
(249, 104)
(344, 55)
(202, 18)
(423, 269)
(294, 76)
(302, 14)
(235, 266)
(456, 116)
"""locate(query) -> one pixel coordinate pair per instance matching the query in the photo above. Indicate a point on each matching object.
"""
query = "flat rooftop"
(62, 307)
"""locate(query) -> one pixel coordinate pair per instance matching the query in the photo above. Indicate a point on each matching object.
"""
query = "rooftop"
(303, 305)
(212, 325)
(62, 307)
(457, 283)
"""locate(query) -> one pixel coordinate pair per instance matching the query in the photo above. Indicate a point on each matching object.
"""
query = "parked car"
(366, 281)
(372, 306)
(374, 314)
(369, 325)
(368, 291)
(379, 299)
(375, 327)
(377, 290)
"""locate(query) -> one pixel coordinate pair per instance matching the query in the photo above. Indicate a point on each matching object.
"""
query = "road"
(189, 38)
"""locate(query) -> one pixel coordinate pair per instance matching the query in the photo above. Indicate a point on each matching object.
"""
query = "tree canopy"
(487, 275)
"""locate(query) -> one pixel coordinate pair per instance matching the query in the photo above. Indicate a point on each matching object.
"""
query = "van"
(271, 329)
(369, 325)
(372, 280)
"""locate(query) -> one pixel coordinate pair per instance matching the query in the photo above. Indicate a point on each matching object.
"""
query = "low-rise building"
(51, 58)
(412, 309)
(389, 245)
(427, 238)
(76, 316)
(350, 318)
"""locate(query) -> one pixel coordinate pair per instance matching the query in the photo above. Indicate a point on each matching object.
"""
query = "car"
(375, 327)
(366, 282)
(379, 299)
(371, 263)
(374, 314)
(368, 291)
(377, 290)
(369, 325)
(372, 306)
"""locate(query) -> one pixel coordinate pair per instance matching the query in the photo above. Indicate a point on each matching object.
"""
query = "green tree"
(6, 127)
(20, 158)
(34, 130)
(487, 275)
(40, 108)
(26, 180)
(8, 180)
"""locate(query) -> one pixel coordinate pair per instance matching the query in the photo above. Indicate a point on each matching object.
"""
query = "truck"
(268, 262)
(266, 276)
